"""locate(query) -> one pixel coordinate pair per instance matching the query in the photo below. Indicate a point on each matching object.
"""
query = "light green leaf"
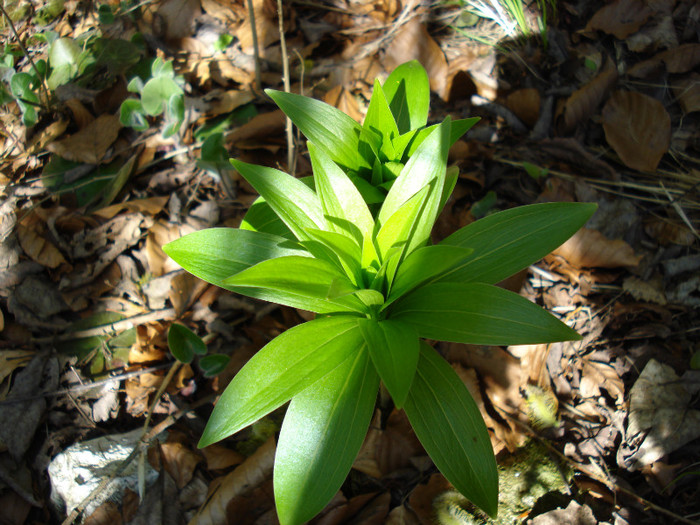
(408, 91)
(293, 201)
(64, 52)
(299, 282)
(480, 314)
(380, 121)
(506, 242)
(425, 264)
(398, 231)
(174, 115)
(342, 251)
(449, 425)
(217, 253)
(322, 433)
(283, 368)
(393, 347)
(339, 197)
(330, 129)
(131, 114)
(156, 94)
(459, 128)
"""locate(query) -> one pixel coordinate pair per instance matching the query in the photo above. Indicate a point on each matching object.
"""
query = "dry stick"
(26, 53)
(256, 54)
(285, 74)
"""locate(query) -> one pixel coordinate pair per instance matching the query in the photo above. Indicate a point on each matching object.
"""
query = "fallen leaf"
(687, 91)
(584, 101)
(596, 375)
(90, 144)
(638, 128)
(265, 14)
(668, 232)
(150, 206)
(681, 59)
(219, 457)
(645, 290)
(341, 98)
(590, 248)
(659, 34)
(38, 247)
(106, 514)
(525, 103)
(179, 461)
(179, 17)
(219, 102)
(11, 360)
(620, 18)
(261, 126)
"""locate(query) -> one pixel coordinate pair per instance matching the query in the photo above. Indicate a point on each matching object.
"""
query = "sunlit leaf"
(408, 91)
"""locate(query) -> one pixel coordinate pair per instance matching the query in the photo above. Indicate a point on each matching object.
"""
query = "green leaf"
(408, 91)
(479, 314)
(64, 52)
(506, 242)
(343, 251)
(217, 253)
(131, 114)
(156, 94)
(293, 201)
(299, 282)
(337, 134)
(393, 347)
(184, 344)
(283, 368)
(174, 115)
(448, 424)
(380, 120)
(322, 433)
(115, 183)
(425, 264)
(458, 128)
(213, 364)
(339, 197)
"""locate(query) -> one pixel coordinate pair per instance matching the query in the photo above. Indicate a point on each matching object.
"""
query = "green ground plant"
(352, 244)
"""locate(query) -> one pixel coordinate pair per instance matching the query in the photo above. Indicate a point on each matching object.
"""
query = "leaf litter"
(607, 108)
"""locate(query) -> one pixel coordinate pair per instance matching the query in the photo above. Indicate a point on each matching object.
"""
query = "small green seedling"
(162, 94)
(184, 344)
(353, 245)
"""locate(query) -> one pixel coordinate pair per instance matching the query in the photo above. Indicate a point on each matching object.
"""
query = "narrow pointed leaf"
(228, 251)
(479, 314)
(399, 230)
(380, 120)
(292, 200)
(284, 367)
(408, 91)
(322, 433)
(393, 347)
(459, 128)
(506, 242)
(299, 282)
(329, 128)
(346, 250)
(449, 425)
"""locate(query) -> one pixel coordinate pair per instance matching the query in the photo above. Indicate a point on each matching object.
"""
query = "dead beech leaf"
(681, 59)
(149, 206)
(620, 18)
(90, 144)
(688, 93)
(342, 99)
(596, 375)
(590, 248)
(525, 103)
(265, 24)
(584, 101)
(37, 247)
(650, 291)
(413, 42)
(638, 128)
(250, 474)
(179, 461)
(179, 17)
(226, 101)
(219, 457)
(259, 127)
(666, 232)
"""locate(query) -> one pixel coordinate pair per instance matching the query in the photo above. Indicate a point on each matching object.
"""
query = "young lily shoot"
(352, 244)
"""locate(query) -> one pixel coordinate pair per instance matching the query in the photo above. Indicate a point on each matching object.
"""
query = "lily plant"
(352, 244)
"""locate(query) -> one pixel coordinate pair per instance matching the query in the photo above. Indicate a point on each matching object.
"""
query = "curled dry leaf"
(590, 248)
(525, 103)
(621, 18)
(681, 59)
(37, 247)
(90, 144)
(688, 93)
(584, 101)
(179, 461)
(638, 128)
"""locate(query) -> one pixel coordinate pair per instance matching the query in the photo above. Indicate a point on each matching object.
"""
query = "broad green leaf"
(27, 100)
(370, 298)
(408, 91)
(393, 347)
(380, 120)
(286, 366)
(131, 114)
(329, 128)
(345, 251)
(156, 94)
(217, 253)
(449, 425)
(506, 242)
(174, 115)
(293, 201)
(339, 197)
(459, 128)
(398, 231)
(64, 52)
(323, 430)
(425, 264)
(299, 282)
(184, 344)
(480, 314)
(213, 364)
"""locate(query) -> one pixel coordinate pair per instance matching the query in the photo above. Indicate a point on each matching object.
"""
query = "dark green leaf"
(322, 432)
(286, 366)
(184, 344)
(479, 314)
(448, 423)
(213, 364)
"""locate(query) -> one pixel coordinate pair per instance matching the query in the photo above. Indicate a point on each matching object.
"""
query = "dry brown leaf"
(40, 140)
(250, 474)
(220, 102)
(11, 360)
(106, 514)
(423, 496)
(179, 461)
(265, 24)
(584, 101)
(667, 232)
(160, 234)
(90, 144)
(682, 59)
(638, 128)
(413, 42)
(621, 18)
(179, 17)
(150, 206)
(650, 291)
(596, 375)
(342, 99)
(590, 248)
(525, 103)
(260, 126)
(81, 115)
(688, 92)
(37, 247)
(219, 457)
(659, 34)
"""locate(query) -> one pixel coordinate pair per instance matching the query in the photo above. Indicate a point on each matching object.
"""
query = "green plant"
(184, 344)
(353, 245)
(161, 94)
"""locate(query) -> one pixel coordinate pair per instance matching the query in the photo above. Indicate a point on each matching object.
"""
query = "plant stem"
(285, 74)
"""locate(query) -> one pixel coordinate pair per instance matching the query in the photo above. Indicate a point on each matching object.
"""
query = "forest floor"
(603, 107)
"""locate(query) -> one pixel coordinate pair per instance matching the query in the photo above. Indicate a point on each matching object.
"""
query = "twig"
(285, 74)
(256, 52)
